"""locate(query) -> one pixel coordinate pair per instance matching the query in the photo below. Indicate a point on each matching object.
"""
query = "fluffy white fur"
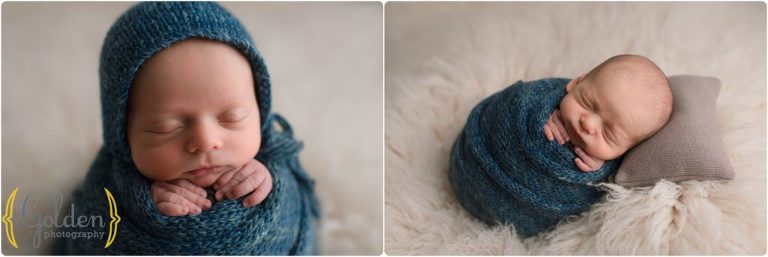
(443, 58)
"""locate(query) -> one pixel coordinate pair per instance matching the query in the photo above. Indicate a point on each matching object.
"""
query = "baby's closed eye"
(235, 115)
(164, 127)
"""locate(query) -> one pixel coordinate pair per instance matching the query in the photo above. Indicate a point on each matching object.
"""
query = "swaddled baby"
(505, 170)
(186, 102)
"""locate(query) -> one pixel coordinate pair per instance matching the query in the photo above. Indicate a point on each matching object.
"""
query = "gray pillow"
(688, 147)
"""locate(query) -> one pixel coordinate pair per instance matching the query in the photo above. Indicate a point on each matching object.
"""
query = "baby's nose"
(205, 138)
(589, 124)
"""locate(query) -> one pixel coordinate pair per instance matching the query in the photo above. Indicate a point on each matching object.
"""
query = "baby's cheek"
(158, 163)
(601, 151)
(242, 146)
(566, 109)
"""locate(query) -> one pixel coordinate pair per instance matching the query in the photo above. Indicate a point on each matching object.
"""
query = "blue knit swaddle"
(283, 224)
(504, 171)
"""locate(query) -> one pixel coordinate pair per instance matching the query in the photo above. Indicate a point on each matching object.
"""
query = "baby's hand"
(179, 197)
(554, 129)
(252, 177)
(585, 162)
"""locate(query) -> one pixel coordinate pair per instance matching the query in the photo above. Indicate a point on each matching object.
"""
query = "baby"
(193, 122)
(609, 110)
(194, 161)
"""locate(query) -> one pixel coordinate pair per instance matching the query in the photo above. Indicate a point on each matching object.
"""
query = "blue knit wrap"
(504, 171)
(283, 224)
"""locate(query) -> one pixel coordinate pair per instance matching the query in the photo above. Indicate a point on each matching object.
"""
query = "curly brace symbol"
(114, 218)
(7, 218)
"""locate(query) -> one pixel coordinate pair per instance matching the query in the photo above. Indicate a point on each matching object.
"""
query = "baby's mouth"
(205, 170)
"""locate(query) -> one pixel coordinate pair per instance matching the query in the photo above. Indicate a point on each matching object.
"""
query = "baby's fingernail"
(185, 209)
(218, 196)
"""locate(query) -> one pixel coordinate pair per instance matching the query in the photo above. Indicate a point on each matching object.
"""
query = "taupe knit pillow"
(688, 147)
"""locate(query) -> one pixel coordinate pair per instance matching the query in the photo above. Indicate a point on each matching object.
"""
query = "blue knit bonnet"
(146, 29)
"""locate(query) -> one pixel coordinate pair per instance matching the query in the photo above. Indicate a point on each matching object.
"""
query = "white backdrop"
(325, 60)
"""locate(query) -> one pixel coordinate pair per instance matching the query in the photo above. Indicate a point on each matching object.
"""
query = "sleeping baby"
(194, 162)
(614, 107)
(193, 122)
(504, 170)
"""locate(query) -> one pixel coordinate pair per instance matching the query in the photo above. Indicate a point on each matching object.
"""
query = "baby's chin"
(205, 181)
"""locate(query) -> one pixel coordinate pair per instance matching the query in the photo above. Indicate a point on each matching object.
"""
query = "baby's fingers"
(581, 165)
(589, 162)
(259, 194)
(237, 178)
(548, 132)
(560, 138)
(248, 185)
(224, 179)
(173, 198)
(172, 209)
(560, 127)
(188, 195)
(190, 187)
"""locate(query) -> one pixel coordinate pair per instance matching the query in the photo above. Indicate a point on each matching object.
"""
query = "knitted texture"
(504, 171)
(283, 224)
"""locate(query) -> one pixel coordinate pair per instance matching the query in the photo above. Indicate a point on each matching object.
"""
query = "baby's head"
(617, 105)
(183, 88)
(192, 105)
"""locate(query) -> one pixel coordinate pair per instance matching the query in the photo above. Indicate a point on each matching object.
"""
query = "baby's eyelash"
(234, 120)
(584, 101)
(608, 137)
(162, 131)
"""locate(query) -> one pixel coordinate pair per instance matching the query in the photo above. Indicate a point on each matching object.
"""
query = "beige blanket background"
(443, 58)
(325, 61)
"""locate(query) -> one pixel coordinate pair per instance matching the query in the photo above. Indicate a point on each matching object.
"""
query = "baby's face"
(605, 118)
(193, 113)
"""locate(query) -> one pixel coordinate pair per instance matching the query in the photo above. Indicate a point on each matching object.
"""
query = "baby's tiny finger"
(170, 209)
(558, 136)
(248, 185)
(178, 199)
(255, 198)
(581, 165)
(588, 160)
(260, 193)
(221, 192)
(183, 183)
(561, 128)
(224, 179)
(548, 132)
(195, 199)
(155, 191)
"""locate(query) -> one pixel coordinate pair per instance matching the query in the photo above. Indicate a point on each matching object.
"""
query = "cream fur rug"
(443, 58)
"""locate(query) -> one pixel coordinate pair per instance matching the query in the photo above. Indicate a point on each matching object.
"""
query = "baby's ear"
(573, 82)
